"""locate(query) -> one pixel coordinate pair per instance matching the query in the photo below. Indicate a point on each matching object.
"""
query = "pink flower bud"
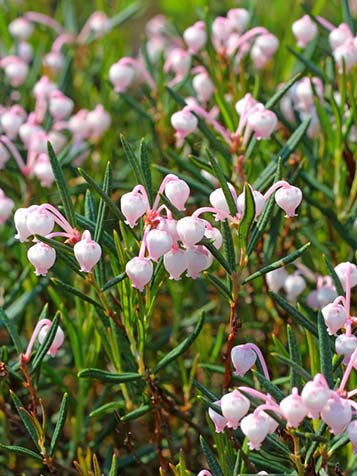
(43, 87)
(304, 31)
(98, 121)
(268, 44)
(234, 407)
(133, 206)
(215, 236)
(255, 427)
(288, 198)
(218, 420)
(339, 36)
(258, 57)
(238, 19)
(6, 205)
(40, 222)
(315, 394)
(78, 125)
(11, 121)
(244, 105)
(99, 23)
(4, 156)
(263, 122)
(198, 258)
(190, 230)
(346, 53)
(43, 170)
(20, 28)
(336, 413)
(178, 61)
(170, 226)
(20, 220)
(54, 61)
(16, 72)
(60, 106)
(342, 270)
(243, 359)
(175, 262)
(195, 37)
(293, 409)
(345, 345)
(159, 242)
(57, 341)
(334, 316)
(121, 76)
(218, 200)
(203, 86)
(25, 51)
(294, 285)
(87, 252)
(221, 28)
(304, 93)
(27, 131)
(259, 201)
(184, 122)
(311, 300)
(42, 257)
(156, 26)
(58, 140)
(177, 191)
(325, 295)
(276, 279)
(140, 272)
(352, 434)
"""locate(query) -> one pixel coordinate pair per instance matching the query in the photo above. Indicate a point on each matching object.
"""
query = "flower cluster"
(336, 408)
(40, 220)
(179, 241)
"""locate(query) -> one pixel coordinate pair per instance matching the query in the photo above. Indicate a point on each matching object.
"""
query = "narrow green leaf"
(47, 342)
(11, 329)
(181, 348)
(21, 451)
(336, 281)
(281, 92)
(71, 290)
(133, 160)
(133, 103)
(124, 15)
(62, 186)
(107, 189)
(248, 218)
(137, 413)
(105, 376)
(62, 414)
(106, 408)
(325, 350)
(217, 169)
(219, 285)
(109, 284)
(347, 17)
(228, 245)
(269, 386)
(211, 459)
(57, 245)
(309, 65)
(26, 419)
(90, 210)
(145, 167)
(294, 366)
(295, 356)
(277, 264)
(114, 466)
(294, 313)
(217, 254)
(204, 390)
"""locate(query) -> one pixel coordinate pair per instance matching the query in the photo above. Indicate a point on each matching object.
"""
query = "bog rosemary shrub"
(178, 234)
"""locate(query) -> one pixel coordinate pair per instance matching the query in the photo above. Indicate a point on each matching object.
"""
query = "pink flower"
(293, 409)
(87, 252)
(139, 271)
(190, 230)
(121, 76)
(304, 30)
(195, 37)
(243, 358)
(178, 192)
(57, 341)
(219, 421)
(6, 205)
(198, 258)
(60, 106)
(175, 262)
(315, 394)
(184, 122)
(288, 198)
(133, 206)
(159, 242)
(234, 407)
(336, 413)
(255, 427)
(339, 36)
(334, 316)
(352, 434)
(262, 121)
(42, 257)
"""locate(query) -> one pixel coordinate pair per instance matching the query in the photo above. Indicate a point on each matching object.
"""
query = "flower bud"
(294, 409)
(121, 76)
(325, 295)
(42, 257)
(259, 201)
(288, 198)
(158, 242)
(244, 105)
(43, 170)
(98, 121)
(221, 28)
(218, 200)
(255, 427)
(156, 26)
(190, 230)
(54, 61)
(170, 226)
(57, 341)
(4, 156)
(43, 87)
(27, 131)
(177, 191)
(238, 19)
(60, 106)
(178, 61)
(215, 236)
(218, 420)
(268, 44)
(345, 345)
(243, 359)
(203, 86)
(336, 413)
(6, 205)
(20, 28)
(304, 93)
(99, 23)
(11, 121)
(334, 316)
(25, 51)
(198, 258)
(339, 36)
(304, 31)
(139, 271)
(315, 394)
(133, 206)
(184, 122)
(195, 37)
(346, 54)
(234, 407)
(20, 220)
(77, 124)
(262, 122)
(16, 72)
(258, 57)
(352, 434)
(294, 285)
(276, 279)
(342, 269)
(40, 222)
(87, 252)
(175, 263)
